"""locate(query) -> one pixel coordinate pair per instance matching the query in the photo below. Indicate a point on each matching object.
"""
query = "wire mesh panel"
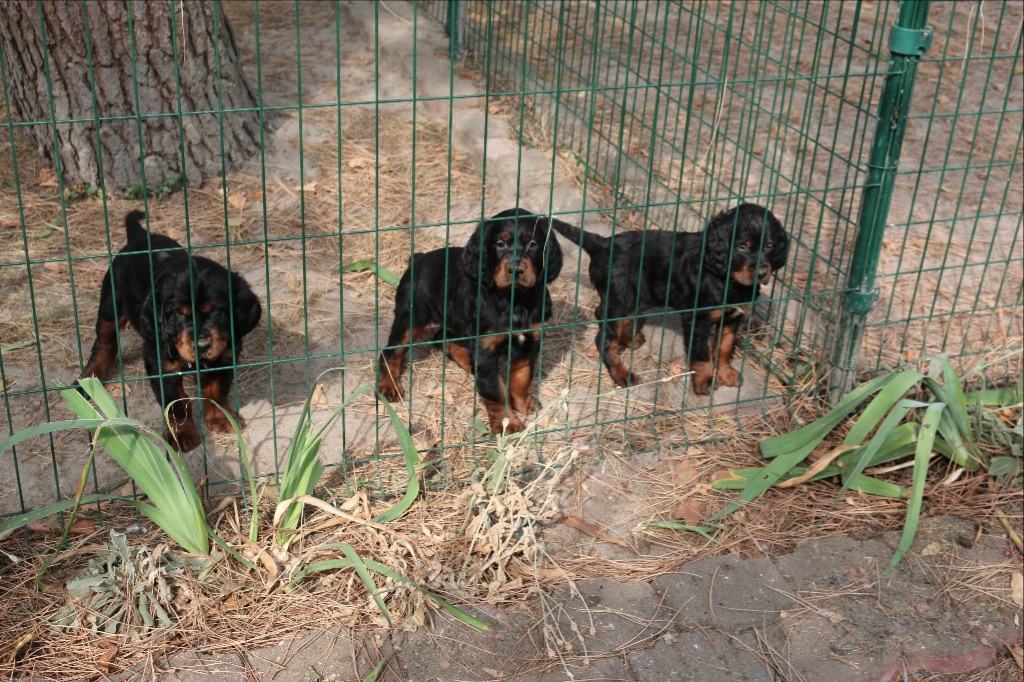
(313, 148)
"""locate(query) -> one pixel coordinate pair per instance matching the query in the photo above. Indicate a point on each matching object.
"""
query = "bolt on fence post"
(909, 39)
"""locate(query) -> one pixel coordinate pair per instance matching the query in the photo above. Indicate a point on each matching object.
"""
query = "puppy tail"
(133, 224)
(590, 241)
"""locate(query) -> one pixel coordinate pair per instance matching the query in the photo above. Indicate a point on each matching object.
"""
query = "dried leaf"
(683, 474)
(590, 529)
(47, 177)
(236, 201)
(1017, 588)
(319, 398)
(106, 659)
(54, 266)
(1018, 654)
(932, 548)
(689, 511)
(673, 368)
(40, 527)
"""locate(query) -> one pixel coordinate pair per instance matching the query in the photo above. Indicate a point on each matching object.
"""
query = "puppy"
(490, 297)
(715, 278)
(188, 310)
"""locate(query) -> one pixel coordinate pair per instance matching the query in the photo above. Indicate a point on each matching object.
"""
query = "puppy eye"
(532, 244)
(500, 244)
(185, 311)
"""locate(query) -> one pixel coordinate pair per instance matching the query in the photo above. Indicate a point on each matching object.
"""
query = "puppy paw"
(218, 422)
(184, 435)
(527, 405)
(390, 389)
(638, 340)
(727, 376)
(515, 425)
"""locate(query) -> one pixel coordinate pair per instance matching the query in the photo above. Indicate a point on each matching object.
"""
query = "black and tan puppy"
(491, 296)
(189, 311)
(715, 278)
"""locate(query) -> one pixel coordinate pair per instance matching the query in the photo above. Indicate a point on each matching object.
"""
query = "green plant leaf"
(922, 458)
(787, 450)
(894, 416)
(155, 466)
(28, 517)
(705, 531)
(412, 458)
(379, 270)
(16, 346)
(881, 405)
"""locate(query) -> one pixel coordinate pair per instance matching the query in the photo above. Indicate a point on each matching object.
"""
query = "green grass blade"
(377, 670)
(412, 458)
(455, 611)
(16, 346)
(51, 427)
(873, 486)
(878, 408)
(42, 512)
(865, 455)
(922, 458)
(704, 531)
(788, 450)
(379, 270)
(359, 566)
(316, 567)
(807, 438)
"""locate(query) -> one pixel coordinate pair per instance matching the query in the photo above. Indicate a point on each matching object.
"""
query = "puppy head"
(746, 243)
(195, 313)
(517, 252)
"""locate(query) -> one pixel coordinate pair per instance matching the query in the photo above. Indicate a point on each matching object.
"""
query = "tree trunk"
(134, 102)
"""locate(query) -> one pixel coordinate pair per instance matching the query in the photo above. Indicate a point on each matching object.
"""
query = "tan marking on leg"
(459, 354)
(183, 432)
(213, 388)
(520, 377)
(495, 415)
(727, 376)
(392, 366)
(703, 373)
(104, 352)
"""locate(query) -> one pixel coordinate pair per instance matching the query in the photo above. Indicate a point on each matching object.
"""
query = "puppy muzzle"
(764, 274)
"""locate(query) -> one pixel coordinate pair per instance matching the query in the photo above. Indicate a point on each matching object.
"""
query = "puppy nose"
(516, 271)
(204, 345)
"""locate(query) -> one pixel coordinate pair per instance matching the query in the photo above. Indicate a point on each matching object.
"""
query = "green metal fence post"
(454, 16)
(909, 38)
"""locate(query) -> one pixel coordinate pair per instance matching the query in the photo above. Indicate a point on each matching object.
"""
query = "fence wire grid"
(886, 136)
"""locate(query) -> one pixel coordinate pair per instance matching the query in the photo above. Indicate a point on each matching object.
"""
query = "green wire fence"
(886, 136)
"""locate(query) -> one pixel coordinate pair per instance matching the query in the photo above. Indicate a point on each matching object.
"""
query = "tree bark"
(130, 93)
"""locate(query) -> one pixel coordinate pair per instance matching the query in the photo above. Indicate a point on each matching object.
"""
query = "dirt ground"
(288, 222)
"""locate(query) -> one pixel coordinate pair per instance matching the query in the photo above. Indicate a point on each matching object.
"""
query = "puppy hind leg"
(394, 358)
(608, 341)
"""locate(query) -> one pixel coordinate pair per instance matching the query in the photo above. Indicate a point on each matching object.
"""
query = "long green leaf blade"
(922, 457)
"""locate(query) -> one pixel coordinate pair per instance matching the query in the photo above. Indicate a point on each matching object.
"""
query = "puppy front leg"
(492, 391)
(181, 429)
(216, 387)
(699, 350)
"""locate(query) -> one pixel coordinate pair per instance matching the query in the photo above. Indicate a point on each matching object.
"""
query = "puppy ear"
(246, 307)
(718, 238)
(551, 253)
(780, 242)
(471, 264)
